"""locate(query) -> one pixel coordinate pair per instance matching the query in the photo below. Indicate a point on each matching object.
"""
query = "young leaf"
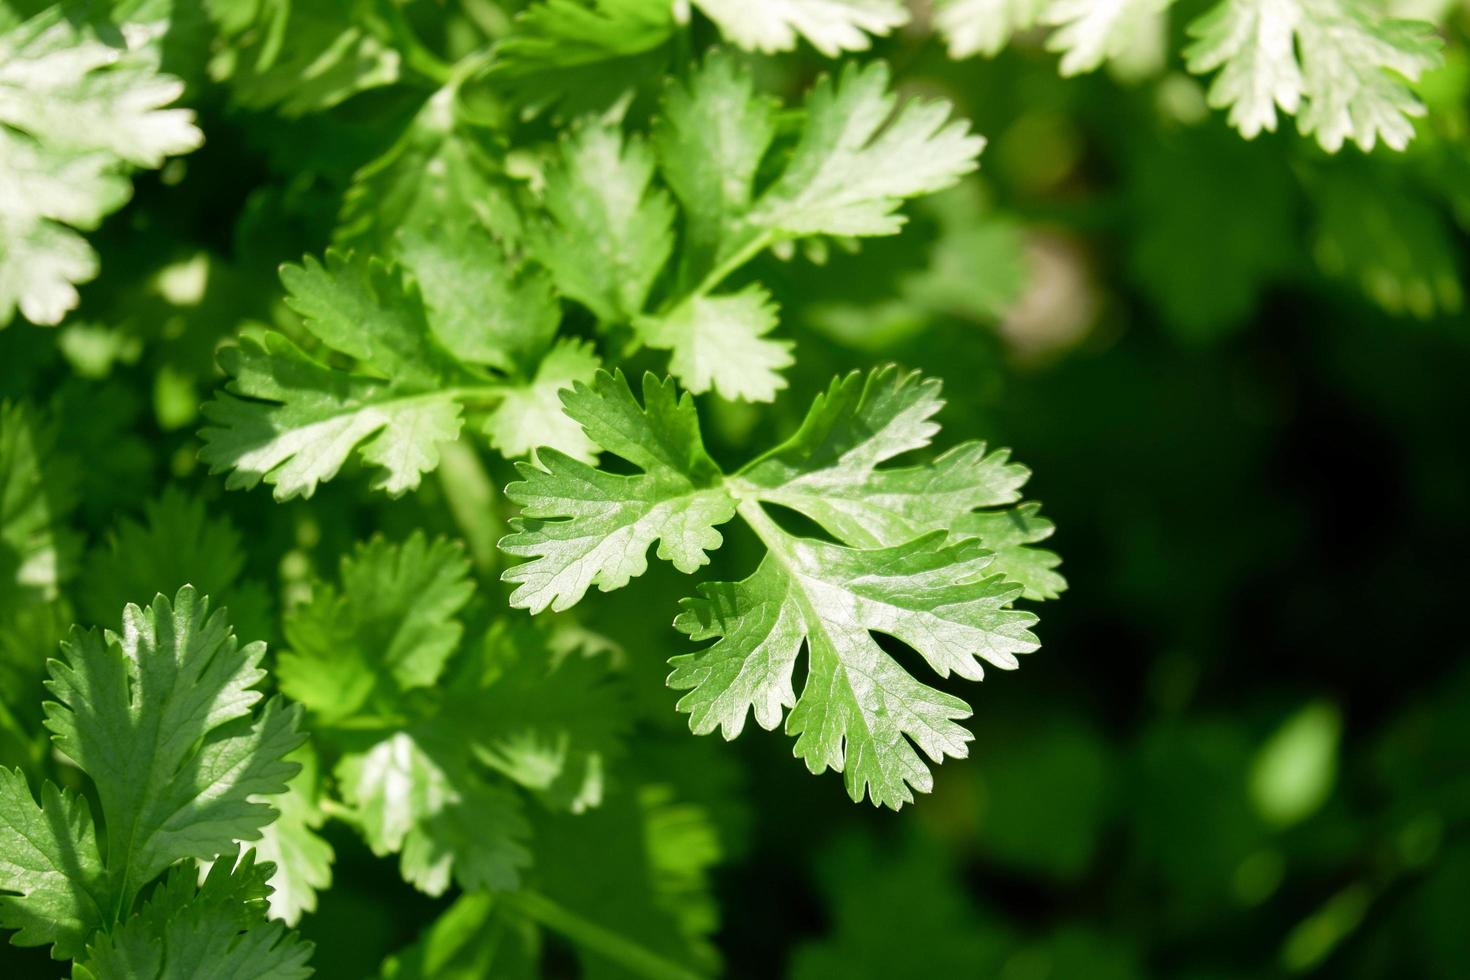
(163, 718)
(909, 567)
(1347, 83)
(79, 104)
(217, 929)
(830, 26)
(858, 159)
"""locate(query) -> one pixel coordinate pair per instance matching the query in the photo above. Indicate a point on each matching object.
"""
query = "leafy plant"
(498, 297)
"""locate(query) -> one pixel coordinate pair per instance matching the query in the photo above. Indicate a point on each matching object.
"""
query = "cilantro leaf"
(391, 628)
(1087, 33)
(38, 550)
(547, 718)
(914, 564)
(417, 796)
(719, 343)
(370, 655)
(483, 308)
(829, 469)
(163, 718)
(301, 57)
(529, 414)
(291, 420)
(984, 26)
(177, 543)
(830, 26)
(216, 929)
(859, 157)
(302, 858)
(858, 702)
(80, 103)
(585, 527)
(607, 231)
(1335, 64)
(53, 886)
(441, 172)
(710, 139)
(582, 55)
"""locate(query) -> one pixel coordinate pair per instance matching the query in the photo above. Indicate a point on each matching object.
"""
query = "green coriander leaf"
(584, 527)
(301, 857)
(710, 139)
(530, 415)
(829, 469)
(217, 929)
(391, 628)
(52, 884)
(79, 104)
(38, 549)
(551, 721)
(1347, 82)
(720, 343)
(639, 866)
(918, 570)
(415, 794)
(300, 56)
(858, 703)
(176, 544)
(292, 421)
(163, 718)
(443, 170)
(471, 940)
(830, 26)
(607, 232)
(858, 159)
(582, 55)
(1090, 33)
(984, 26)
(482, 308)
(1009, 534)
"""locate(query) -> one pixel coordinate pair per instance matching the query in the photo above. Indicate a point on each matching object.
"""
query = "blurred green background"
(1239, 371)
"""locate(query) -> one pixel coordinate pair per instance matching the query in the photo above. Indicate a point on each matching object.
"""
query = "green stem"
(621, 950)
(470, 495)
(756, 244)
(415, 54)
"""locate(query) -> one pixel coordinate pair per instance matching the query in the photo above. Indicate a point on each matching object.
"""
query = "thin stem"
(753, 247)
(415, 54)
(621, 950)
(470, 495)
